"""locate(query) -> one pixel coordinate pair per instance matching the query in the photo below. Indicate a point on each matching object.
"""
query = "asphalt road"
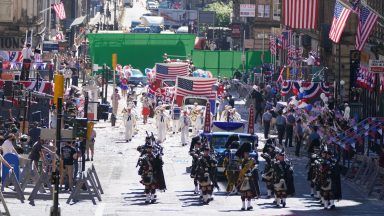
(115, 162)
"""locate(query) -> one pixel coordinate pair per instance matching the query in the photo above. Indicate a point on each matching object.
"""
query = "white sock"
(323, 200)
(197, 189)
(269, 192)
(318, 194)
(148, 197)
(205, 198)
(249, 203)
(243, 206)
(284, 200)
(325, 203)
(278, 201)
(331, 203)
(312, 190)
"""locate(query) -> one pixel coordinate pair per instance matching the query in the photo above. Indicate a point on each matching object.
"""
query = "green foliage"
(223, 12)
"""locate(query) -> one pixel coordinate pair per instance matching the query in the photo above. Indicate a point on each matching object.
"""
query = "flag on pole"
(59, 10)
(171, 70)
(280, 78)
(272, 44)
(367, 20)
(340, 17)
(207, 121)
(195, 86)
(300, 14)
(286, 38)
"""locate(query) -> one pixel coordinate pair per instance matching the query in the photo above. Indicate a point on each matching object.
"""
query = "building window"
(276, 10)
(263, 11)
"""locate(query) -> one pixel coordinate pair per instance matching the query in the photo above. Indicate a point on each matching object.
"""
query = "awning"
(78, 21)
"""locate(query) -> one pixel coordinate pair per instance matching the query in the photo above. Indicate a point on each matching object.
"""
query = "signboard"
(177, 17)
(50, 46)
(247, 10)
(207, 17)
(251, 120)
(50, 134)
(236, 30)
(11, 43)
(249, 43)
(376, 66)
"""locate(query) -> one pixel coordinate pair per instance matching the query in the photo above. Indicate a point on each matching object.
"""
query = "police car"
(217, 141)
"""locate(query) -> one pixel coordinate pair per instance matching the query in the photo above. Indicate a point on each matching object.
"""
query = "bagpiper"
(205, 173)
(248, 176)
(330, 181)
(151, 172)
(231, 166)
(195, 151)
(283, 179)
(269, 153)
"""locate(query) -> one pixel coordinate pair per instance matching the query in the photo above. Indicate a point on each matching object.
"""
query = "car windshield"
(136, 72)
(218, 141)
(199, 101)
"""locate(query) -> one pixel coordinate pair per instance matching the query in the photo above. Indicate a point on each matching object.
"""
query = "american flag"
(59, 10)
(272, 44)
(196, 86)
(286, 37)
(367, 20)
(340, 18)
(300, 14)
(59, 36)
(171, 70)
(355, 4)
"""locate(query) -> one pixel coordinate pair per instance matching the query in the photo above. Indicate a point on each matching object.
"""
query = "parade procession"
(160, 107)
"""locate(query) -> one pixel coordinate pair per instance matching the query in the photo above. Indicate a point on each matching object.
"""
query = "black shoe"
(130, 140)
(290, 146)
(87, 159)
(284, 204)
(153, 201)
(332, 207)
(174, 132)
(312, 195)
(274, 202)
(126, 140)
(243, 209)
(91, 159)
(147, 202)
(268, 197)
(249, 208)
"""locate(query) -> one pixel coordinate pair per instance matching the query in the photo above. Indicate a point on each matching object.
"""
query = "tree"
(223, 12)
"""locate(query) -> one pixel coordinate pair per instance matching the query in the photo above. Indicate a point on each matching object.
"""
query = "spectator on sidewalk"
(90, 145)
(280, 125)
(289, 128)
(68, 156)
(299, 134)
(115, 101)
(267, 117)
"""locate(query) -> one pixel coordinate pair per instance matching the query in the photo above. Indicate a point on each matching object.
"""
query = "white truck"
(173, 17)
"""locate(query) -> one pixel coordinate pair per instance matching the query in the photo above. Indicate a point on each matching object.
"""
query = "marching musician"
(206, 169)
(248, 176)
(283, 179)
(185, 123)
(161, 124)
(175, 114)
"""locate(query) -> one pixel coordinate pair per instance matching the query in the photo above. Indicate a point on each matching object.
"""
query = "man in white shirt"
(310, 60)
(7, 146)
(27, 60)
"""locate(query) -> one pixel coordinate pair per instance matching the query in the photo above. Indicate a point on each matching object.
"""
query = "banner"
(251, 120)
(207, 122)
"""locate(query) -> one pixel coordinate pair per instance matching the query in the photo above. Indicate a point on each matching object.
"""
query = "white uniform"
(129, 126)
(199, 124)
(185, 122)
(175, 119)
(161, 124)
(347, 112)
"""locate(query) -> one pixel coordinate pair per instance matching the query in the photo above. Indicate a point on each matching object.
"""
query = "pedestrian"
(299, 133)
(115, 101)
(313, 141)
(185, 123)
(90, 143)
(161, 124)
(68, 156)
(146, 107)
(129, 124)
(8, 146)
(175, 115)
(27, 61)
(280, 125)
(124, 86)
(258, 97)
(37, 153)
(289, 128)
(199, 122)
(267, 117)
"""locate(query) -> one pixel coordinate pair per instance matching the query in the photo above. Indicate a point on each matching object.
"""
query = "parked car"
(217, 141)
(141, 29)
(135, 23)
(137, 77)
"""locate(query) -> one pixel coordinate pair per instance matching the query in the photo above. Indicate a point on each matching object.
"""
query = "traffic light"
(59, 87)
(80, 127)
(102, 112)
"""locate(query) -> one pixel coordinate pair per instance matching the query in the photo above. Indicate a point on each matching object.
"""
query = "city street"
(133, 13)
(115, 161)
